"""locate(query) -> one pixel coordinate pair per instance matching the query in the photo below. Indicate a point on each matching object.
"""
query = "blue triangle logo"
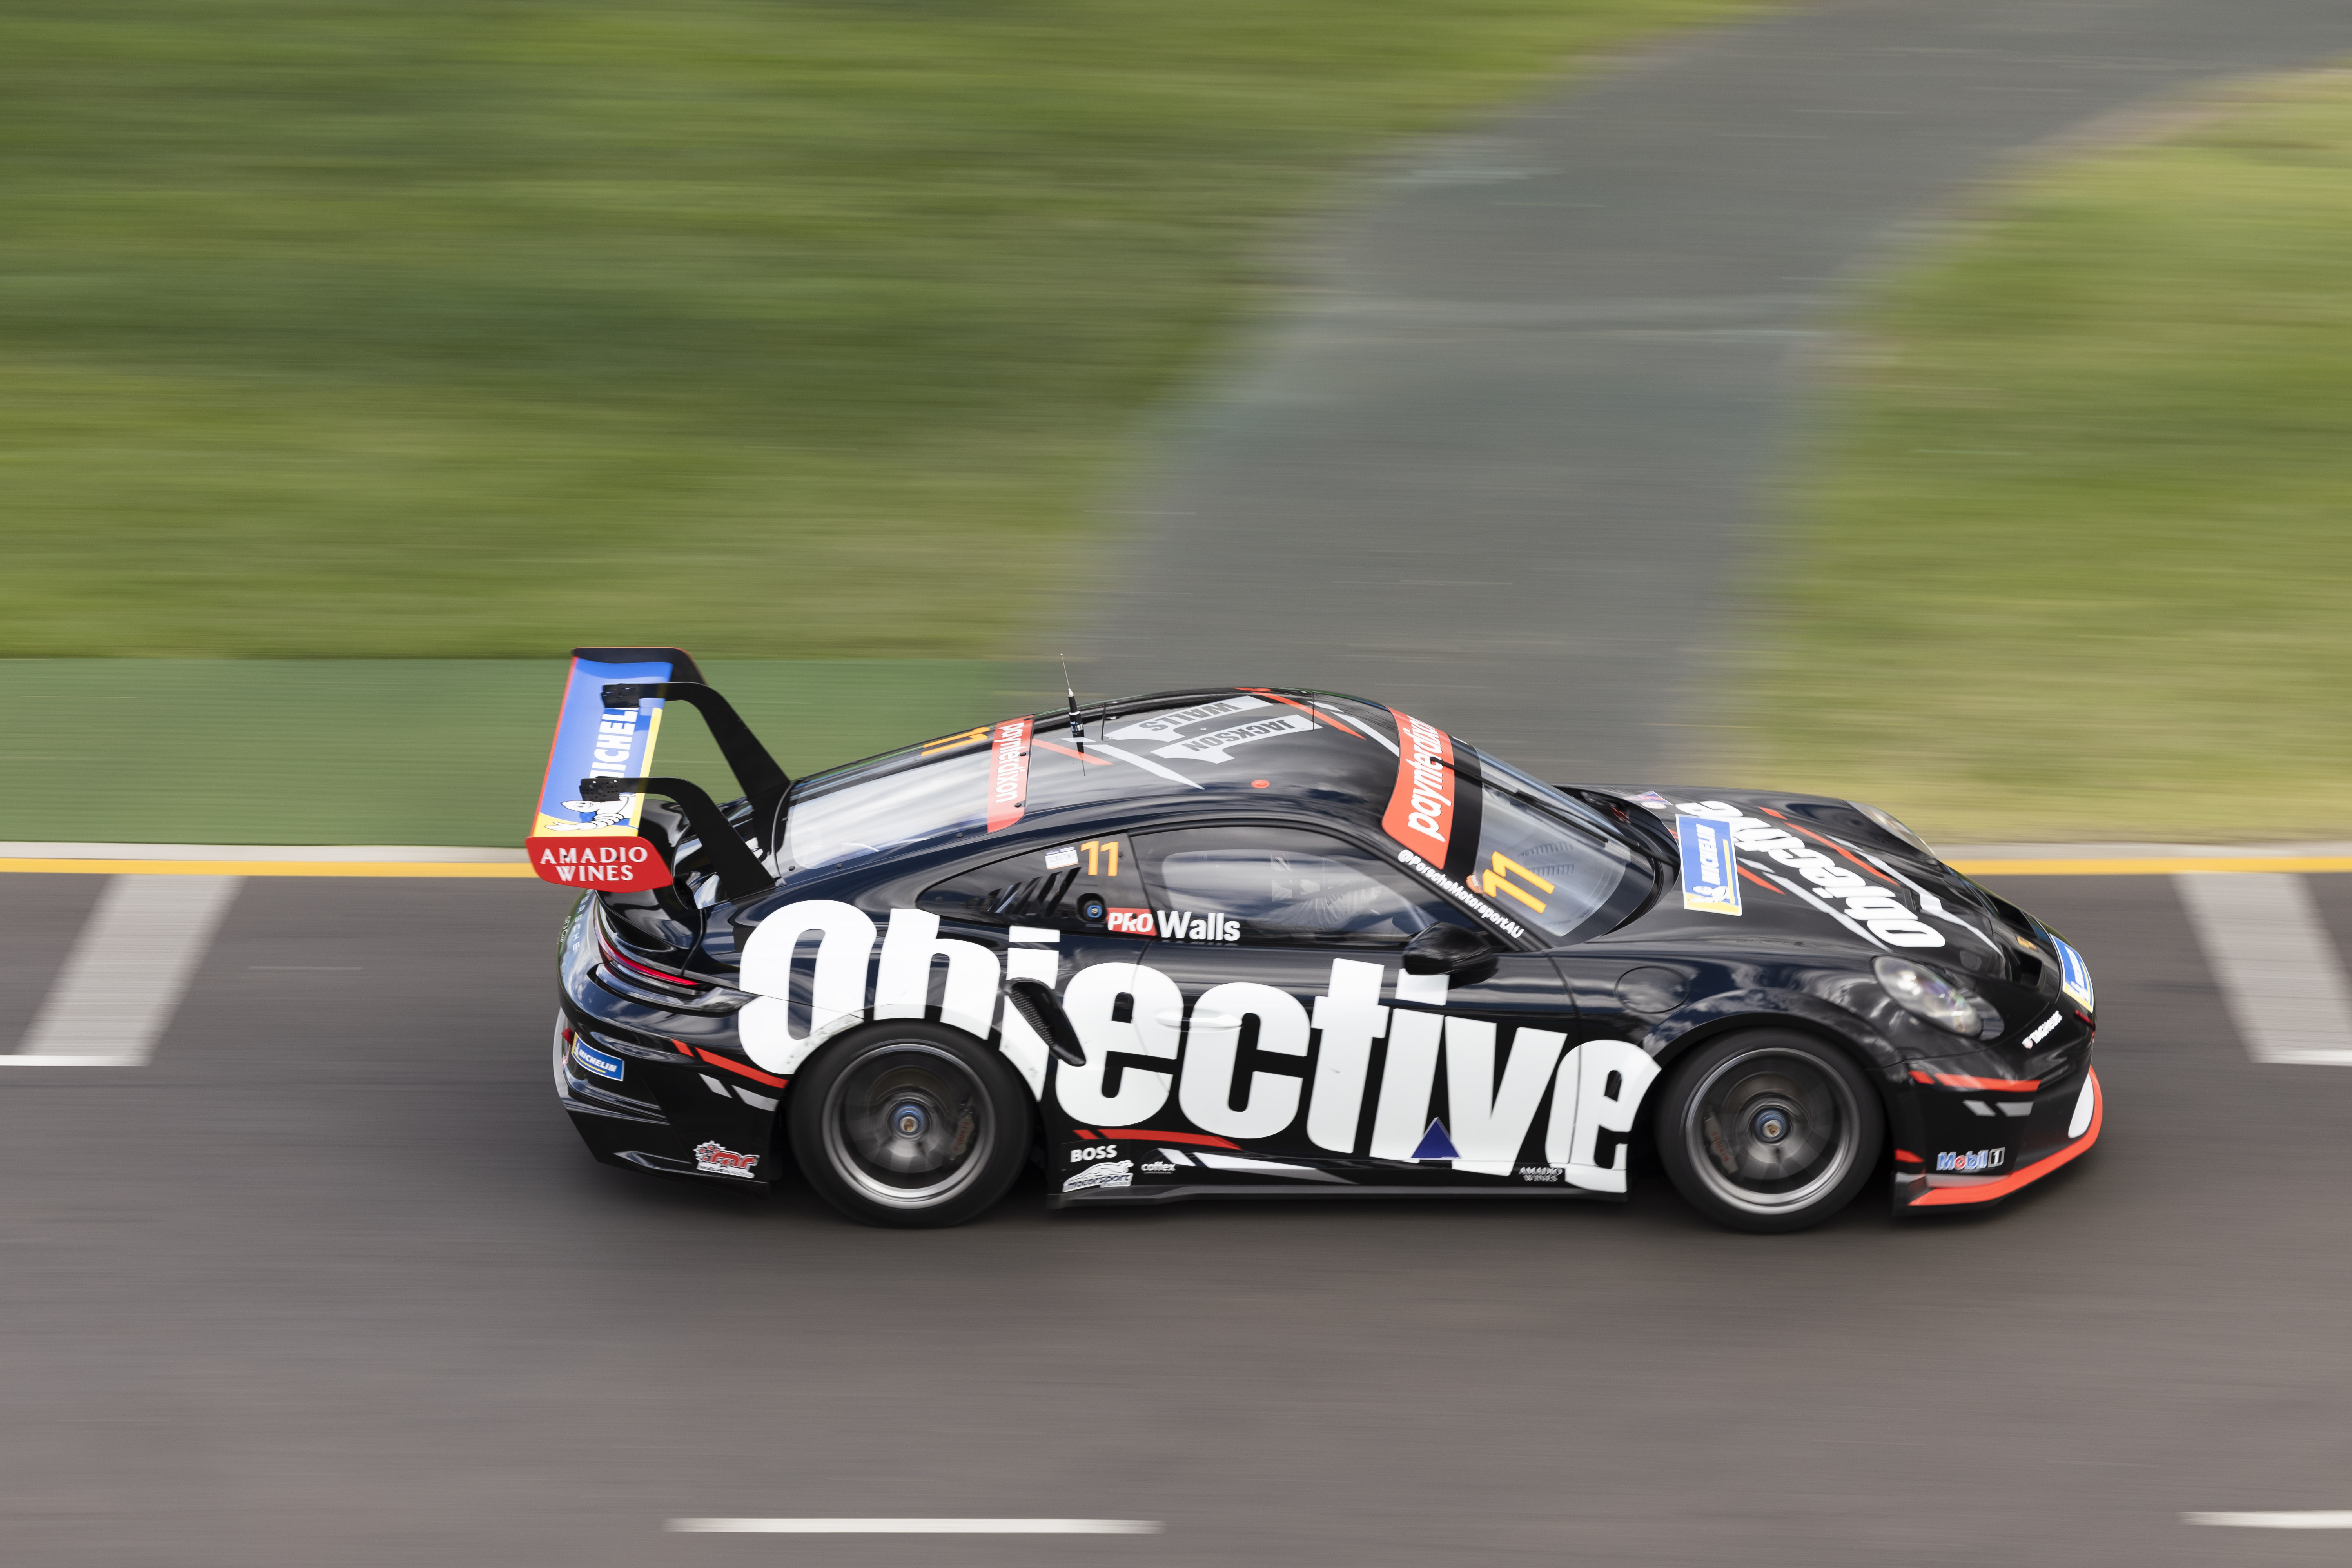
(1435, 1144)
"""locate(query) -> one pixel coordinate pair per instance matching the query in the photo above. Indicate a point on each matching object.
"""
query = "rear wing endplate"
(585, 832)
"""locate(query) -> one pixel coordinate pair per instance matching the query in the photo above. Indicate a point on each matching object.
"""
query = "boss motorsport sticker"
(1421, 808)
(716, 1160)
(1115, 1173)
(2074, 975)
(1710, 865)
(1008, 773)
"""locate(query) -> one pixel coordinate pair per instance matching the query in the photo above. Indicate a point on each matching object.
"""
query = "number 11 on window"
(1096, 849)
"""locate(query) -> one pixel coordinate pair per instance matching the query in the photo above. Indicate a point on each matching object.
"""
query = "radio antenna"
(1077, 729)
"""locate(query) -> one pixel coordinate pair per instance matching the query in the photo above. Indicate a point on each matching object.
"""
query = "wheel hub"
(909, 1121)
(1771, 1123)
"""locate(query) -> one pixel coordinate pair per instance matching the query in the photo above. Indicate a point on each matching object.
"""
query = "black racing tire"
(1770, 1130)
(909, 1125)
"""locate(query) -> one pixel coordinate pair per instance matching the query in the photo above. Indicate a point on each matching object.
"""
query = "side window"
(1082, 885)
(1282, 885)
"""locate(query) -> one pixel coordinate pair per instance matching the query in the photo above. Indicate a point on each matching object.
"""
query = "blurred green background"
(770, 328)
(2075, 557)
(335, 333)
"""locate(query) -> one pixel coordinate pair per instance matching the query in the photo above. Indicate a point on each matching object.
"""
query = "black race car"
(1260, 942)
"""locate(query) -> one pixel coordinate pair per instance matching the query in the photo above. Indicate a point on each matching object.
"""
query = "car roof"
(1213, 748)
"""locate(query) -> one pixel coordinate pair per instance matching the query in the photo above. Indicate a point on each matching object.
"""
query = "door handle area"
(1173, 1019)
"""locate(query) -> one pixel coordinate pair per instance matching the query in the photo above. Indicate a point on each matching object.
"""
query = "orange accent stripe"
(754, 1074)
(1201, 1138)
(1098, 761)
(683, 1048)
(1962, 1080)
(1759, 880)
(1084, 1134)
(1934, 1197)
(1908, 1158)
(1323, 713)
(1841, 849)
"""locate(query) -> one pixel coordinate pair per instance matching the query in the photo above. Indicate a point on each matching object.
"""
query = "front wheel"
(1769, 1131)
(908, 1125)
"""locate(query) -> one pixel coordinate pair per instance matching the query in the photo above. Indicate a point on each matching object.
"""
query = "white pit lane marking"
(2340, 1519)
(127, 972)
(913, 1526)
(2278, 968)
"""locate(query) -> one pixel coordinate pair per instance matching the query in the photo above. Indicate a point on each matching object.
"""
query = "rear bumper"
(1919, 1187)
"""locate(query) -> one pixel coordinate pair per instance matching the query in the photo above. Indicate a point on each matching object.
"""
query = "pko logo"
(1972, 1160)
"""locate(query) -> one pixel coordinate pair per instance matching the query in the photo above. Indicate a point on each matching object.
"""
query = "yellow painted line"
(2154, 866)
(273, 867)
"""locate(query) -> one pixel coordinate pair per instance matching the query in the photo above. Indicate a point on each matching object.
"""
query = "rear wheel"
(908, 1125)
(1769, 1131)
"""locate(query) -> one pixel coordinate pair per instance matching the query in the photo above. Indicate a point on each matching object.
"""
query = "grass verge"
(332, 328)
(2074, 562)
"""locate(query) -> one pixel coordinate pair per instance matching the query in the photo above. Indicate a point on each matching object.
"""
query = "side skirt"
(1181, 1193)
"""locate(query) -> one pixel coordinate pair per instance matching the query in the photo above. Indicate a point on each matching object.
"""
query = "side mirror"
(1449, 950)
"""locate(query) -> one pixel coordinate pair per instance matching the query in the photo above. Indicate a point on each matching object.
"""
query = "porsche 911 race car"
(1251, 942)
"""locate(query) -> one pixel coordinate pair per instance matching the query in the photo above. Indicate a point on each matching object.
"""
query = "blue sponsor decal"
(1436, 1145)
(2074, 975)
(593, 741)
(1710, 870)
(596, 1061)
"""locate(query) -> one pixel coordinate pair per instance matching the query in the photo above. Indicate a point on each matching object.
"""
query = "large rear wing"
(586, 831)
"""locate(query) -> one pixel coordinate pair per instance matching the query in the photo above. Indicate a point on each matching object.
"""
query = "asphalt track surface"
(331, 1280)
(1507, 457)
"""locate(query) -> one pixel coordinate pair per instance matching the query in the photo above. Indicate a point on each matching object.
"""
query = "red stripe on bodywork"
(1323, 713)
(754, 1074)
(1962, 1080)
(1841, 849)
(1940, 1196)
(1201, 1138)
(1048, 745)
(1908, 1158)
(1759, 880)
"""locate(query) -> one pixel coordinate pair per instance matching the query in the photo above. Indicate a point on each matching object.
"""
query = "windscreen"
(1541, 866)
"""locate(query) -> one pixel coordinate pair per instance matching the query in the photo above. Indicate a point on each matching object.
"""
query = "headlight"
(1920, 989)
(1888, 822)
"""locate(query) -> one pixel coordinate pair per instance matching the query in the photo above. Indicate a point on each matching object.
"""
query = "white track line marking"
(127, 972)
(913, 1526)
(2278, 967)
(2341, 1519)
